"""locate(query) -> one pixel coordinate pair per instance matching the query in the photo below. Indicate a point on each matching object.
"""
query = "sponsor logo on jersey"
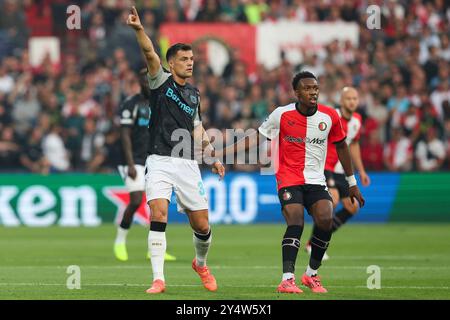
(322, 126)
(143, 122)
(171, 94)
(305, 140)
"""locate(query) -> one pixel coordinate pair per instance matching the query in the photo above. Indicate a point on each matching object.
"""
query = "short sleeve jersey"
(352, 129)
(175, 107)
(302, 142)
(135, 113)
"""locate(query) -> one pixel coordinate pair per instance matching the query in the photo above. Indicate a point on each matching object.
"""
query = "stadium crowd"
(63, 117)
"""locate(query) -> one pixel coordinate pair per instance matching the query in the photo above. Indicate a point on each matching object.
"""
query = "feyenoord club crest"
(287, 196)
(322, 126)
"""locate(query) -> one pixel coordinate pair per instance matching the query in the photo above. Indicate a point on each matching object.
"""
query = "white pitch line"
(226, 286)
(324, 266)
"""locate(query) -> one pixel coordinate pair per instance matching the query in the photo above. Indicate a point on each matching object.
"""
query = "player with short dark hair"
(303, 131)
(176, 115)
(135, 116)
(334, 172)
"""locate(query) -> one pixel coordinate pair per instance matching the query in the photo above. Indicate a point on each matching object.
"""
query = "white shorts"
(138, 184)
(165, 173)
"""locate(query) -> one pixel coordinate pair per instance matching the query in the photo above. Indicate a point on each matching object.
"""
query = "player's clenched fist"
(133, 19)
(354, 193)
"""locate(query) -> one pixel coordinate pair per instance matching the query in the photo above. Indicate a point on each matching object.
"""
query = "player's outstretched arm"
(355, 152)
(243, 145)
(208, 153)
(151, 57)
(344, 157)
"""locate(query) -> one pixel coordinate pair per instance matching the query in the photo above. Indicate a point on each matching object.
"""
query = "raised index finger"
(133, 10)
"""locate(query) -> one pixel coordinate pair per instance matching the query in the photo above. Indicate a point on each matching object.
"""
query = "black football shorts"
(306, 195)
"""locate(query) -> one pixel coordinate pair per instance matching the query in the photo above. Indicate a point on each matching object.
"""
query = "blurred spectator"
(429, 119)
(54, 150)
(233, 11)
(398, 153)
(372, 152)
(255, 10)
(32, 157)
(441, 94)
(6, 81)
(13, 23)
(430, 152)
(9, 149)
(210, 12)
(410, 123)
(92, 153)
(25, 103)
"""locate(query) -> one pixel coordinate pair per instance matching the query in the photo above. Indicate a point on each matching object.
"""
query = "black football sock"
(290, 246)
(319, 244)
(340, 218)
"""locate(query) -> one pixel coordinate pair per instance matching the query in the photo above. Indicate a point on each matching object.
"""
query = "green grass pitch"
(246, 260)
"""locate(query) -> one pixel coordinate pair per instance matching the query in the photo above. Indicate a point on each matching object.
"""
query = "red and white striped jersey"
(302, 142)
(352, 129)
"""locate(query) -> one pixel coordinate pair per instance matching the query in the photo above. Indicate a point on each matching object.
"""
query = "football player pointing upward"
(176, 106)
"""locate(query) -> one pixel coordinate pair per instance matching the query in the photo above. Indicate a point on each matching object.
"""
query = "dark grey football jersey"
(135, 112)
(174, 107)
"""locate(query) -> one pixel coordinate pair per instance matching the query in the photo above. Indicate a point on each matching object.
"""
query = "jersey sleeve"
(358, 134)
(127, 112)
(156, 81)
(270, 128)
(337, 133)
(198, 116)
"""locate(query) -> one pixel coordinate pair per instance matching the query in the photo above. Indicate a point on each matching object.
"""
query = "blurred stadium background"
(60, 90)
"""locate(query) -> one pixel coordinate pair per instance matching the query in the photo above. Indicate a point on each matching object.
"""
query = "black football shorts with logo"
(306, 195)
(338, 181)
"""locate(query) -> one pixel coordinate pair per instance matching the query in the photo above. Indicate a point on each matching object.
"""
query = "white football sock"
(288, 275)
(157, 247)
(201, 248)
(310, 272)
(121, 236)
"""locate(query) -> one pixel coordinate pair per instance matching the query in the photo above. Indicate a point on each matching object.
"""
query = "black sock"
(158, 226)
(340, 218)
(290, 246)
(125, 224)
(203, 237)
(319, 244)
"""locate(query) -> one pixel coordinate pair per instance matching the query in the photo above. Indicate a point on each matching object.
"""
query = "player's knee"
(133, 207)
(324, 222)
(202, 229)
(293, 216)
(135, 201)
(158, 213)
